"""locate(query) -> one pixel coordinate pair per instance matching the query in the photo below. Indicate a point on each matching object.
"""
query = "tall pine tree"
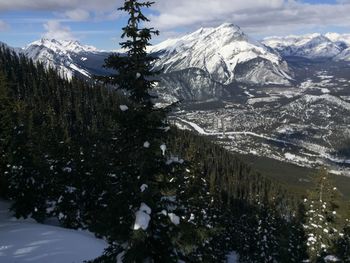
(147, 209)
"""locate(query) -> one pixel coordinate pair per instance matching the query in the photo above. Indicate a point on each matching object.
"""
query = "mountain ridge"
(311, 46)
(219, 51)
(69, 57)
(205, 64)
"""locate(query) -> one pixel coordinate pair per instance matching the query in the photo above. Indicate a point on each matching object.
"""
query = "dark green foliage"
(142, 159)
(249, 213)
(47, 123)
(6, 125)
(343, 245)
(321, 217)
(228, 176)
(133, 70)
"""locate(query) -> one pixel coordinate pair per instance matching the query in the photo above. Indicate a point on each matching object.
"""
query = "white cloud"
(54, 30)
(3, 26)
(77, 14)
(57, 5)
(71, 10)
(189, 12)
(259, 17)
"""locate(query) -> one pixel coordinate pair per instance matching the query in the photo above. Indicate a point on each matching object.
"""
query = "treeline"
(63, 154)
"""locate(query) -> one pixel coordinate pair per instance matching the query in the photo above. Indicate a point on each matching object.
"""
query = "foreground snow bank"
(27, 241)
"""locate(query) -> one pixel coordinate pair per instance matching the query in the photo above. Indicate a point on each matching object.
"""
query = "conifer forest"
(100, 155)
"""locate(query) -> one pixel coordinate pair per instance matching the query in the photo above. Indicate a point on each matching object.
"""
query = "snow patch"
(232, 257)
(331, 258)
(27, 241)
(174, 218)
(123, 107)
(143, 187)
(142, 217)
(163, 149)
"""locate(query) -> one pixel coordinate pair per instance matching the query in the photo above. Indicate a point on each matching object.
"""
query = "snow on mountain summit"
(339, 38)
(220, 35)
(63, 45)
(310, 46)
(60, 54)
(220, 51)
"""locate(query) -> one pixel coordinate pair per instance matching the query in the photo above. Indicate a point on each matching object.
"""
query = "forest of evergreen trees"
(94, 159)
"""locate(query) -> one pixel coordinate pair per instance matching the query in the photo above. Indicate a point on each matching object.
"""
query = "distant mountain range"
(208, 63)
(313, 46)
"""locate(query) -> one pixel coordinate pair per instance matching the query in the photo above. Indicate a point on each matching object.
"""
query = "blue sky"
(98, 23)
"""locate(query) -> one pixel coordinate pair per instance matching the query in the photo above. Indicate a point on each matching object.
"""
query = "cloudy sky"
(96, 22)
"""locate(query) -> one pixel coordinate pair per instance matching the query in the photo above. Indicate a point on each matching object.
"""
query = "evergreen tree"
(343, 244)
(321, 218)
(295, 249)
(149, 209)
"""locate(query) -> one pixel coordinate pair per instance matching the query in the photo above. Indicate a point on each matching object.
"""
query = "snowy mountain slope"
(344, 55)
(27, 241)
(65, 46)
(220, 52)
(327, 104)
(68, 57)
(339, 38)
(309, 46)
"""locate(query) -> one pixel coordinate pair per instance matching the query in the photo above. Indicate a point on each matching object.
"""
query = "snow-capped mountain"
(68, 57)
(310, 46)
(339, 38)
(344, 55)
(208, 63)
(63, 45)
(225, 54)
(344, 41)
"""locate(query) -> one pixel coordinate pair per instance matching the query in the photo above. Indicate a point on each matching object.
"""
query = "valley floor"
(313, 157)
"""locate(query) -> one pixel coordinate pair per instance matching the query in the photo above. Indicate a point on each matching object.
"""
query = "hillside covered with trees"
(95, 159)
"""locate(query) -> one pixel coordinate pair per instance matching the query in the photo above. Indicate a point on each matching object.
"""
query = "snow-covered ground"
(27, 241)
(232, 257)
